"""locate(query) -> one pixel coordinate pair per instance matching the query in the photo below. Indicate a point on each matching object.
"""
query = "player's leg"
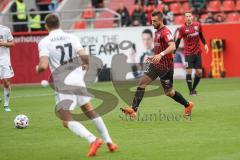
(6, 75)
(189, 66)
(6, 93)
(143, 82)
(76, 127)
(99, 124)
(180, 99)
(148, 77)
(167, 84)
(65, 103)
(198, 75)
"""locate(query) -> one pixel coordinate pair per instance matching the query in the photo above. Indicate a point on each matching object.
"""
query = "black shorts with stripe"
(193, 61)
(165, 75)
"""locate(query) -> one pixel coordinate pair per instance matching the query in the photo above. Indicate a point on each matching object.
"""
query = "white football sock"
(78, 129)
(102, 129)
(6, 92)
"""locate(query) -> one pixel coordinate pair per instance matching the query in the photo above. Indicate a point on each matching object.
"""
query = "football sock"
(6, 93)
(102, 129)
(196, 81)
(138, 98)
(78, 129)
(189, 81)
(179, 98)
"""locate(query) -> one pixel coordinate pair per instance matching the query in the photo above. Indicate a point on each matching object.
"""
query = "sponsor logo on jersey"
(170, 37)
(193, 34)
(196, 28)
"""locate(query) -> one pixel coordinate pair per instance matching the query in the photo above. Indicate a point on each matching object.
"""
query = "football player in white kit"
(6, 71)
(55, 50)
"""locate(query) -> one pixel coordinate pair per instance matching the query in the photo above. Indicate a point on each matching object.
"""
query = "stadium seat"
(175, 8)
(186, 7)
(3, 4)
(233, 17)
(214, 6)
(238, 5)
(228, 5)
(179, 20)
(79, 25)
(160, 7)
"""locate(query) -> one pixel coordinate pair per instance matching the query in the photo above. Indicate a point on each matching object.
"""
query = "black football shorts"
(193, 61)
(166, 76)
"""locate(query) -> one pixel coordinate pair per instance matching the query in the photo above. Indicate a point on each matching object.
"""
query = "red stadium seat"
(79, 25)
(214, 6)
(179, 20)
(238, 5)
(228, 5)
(160, 7)
(186, 7)
(233, 17)
(175, 8)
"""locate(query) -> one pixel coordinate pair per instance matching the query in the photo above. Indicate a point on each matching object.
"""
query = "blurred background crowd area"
(126, 12)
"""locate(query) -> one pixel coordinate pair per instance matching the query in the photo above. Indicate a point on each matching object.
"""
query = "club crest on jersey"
(196, 28)
(169, 36)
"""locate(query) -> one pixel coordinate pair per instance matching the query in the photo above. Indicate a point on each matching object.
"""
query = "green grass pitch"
(212, 133)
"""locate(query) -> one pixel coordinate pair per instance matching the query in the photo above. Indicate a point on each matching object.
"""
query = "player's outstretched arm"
(7, 44)
(43, 64)
(203, 41)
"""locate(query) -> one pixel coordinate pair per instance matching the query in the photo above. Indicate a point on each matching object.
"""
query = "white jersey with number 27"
(59, 47)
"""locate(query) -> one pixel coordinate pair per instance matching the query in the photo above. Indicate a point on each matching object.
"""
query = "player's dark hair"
(148, 31)
(52, 21)
(157, 13)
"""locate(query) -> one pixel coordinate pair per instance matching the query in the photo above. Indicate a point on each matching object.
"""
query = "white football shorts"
(75, 78)
(6, 71)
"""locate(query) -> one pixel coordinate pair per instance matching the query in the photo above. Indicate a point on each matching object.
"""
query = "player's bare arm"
(84, 58)
(43, 64)
(203, 41)
(7, 44)
(169, 50)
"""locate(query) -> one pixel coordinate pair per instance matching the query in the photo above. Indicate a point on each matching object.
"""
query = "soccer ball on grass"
(21, 121)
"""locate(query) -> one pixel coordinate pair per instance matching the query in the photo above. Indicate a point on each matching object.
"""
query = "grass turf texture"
(211, 134)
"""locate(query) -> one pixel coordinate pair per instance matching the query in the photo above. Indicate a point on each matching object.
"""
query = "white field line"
(32, 95)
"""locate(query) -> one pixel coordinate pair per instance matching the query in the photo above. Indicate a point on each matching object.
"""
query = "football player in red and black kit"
(191, 32)
(161, 65)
